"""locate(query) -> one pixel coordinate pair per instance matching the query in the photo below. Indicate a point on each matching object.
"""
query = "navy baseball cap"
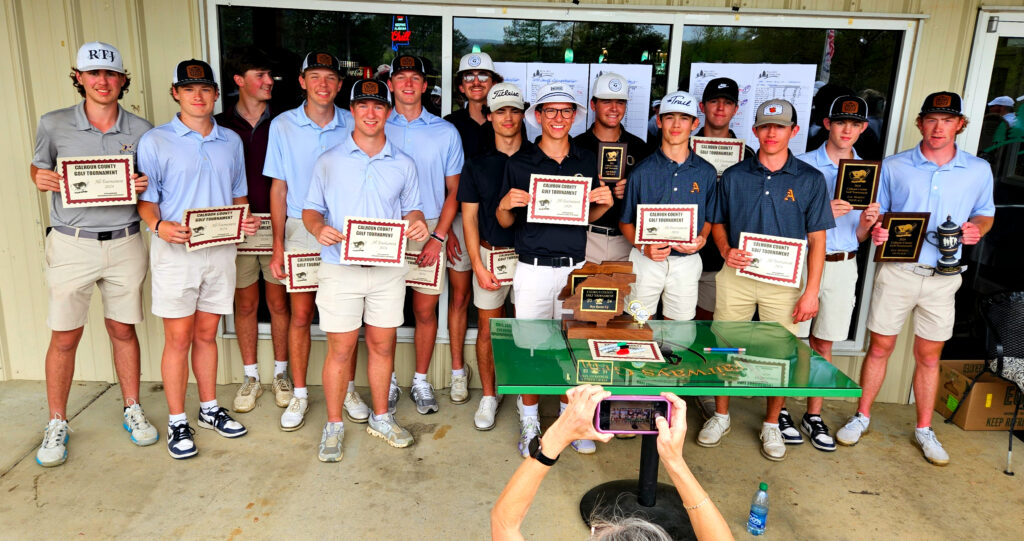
(193, 71)
(943, 102)
(848, 108)
(322, 60)
(407, 62)
(370, 89)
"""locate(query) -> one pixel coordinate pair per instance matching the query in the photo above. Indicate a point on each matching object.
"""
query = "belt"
(840, 256)
(101, 235)
(611, 232)
(922, 270)
(549, 261)
(487, 245)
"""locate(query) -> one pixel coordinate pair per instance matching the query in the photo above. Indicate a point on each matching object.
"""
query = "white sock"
(176, 419)
(378, 417)
(923, 431)
(458, 373)
(351, 387)
(300, 392)
(419, 378)
(770, 425)
(280, 367)
(394, 379)
(530, 411)
(722, 415)
(252, 371)
(561, 407)
(334, 427)
(208, 406)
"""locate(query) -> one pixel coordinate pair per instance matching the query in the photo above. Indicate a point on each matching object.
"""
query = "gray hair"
(627, 529)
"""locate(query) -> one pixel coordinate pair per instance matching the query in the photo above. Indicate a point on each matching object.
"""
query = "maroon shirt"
(254, 145)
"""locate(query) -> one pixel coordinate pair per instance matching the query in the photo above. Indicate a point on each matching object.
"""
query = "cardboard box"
(989, 406)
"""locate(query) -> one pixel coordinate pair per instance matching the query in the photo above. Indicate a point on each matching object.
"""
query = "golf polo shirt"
(347, 182)
(960, 189)
(660, 181)
(435, 146)
(636, 152)
(254, 145)
(842, 237)
(474, 136)
(187, 170)
(67, 133)
(481, 183)
(548, 240)
(790, 202)
(295, 143)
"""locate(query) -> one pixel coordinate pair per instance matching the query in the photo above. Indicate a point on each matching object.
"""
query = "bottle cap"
(764, 486)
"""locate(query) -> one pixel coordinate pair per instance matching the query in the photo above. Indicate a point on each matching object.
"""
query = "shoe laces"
(283, 382)
(56, 430)
(182, 431)
(859, 421)
(423, 389)
(716, 422)
(332, 436)
(295, 405)
(393, 392)
(488, 400)
(249, 386)
(531, 427)
(817, 425)
(928, 438)
(136, 417)
(355, 399)
(785, 421)
(771, 435)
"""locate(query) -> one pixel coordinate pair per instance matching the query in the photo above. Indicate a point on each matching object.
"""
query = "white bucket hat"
(556, 93)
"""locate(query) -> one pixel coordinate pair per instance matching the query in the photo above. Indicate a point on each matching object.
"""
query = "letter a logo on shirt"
(789, 195)
(695, 188)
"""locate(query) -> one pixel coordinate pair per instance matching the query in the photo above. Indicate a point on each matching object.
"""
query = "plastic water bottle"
(758, 510)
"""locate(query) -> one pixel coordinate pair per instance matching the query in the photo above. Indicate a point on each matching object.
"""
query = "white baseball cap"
(556, 93)
(97, 55)
(679, 102)
(505, 95)
(476, 61)
(610, 86)
(1006, 101)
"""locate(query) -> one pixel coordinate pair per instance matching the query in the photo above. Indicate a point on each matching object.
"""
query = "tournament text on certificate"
(374, 241)
(214, 226)
(721, 152)
(776, 260)
(303, 269)
(97, 181)
(502, 264)
(559, 200)
(666, 224)
(428, 277)
(262, 243)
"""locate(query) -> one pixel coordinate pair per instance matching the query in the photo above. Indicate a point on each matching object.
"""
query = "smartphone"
(631, 414)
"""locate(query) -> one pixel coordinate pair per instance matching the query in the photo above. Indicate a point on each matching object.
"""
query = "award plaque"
(426, 277)
(611, 161)
(262, 243)
(776, 260)
(303, 271)
(502, 264)
(214, 226)
(559, 200)
(666, 224)
(97, 181)
(906, 234)
(375, 242)
(599, 299)
(857, 182)
(721, 152)
(597, 372)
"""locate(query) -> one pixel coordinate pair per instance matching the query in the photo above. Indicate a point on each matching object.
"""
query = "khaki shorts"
(836, 300)
(415, 246)
(74, 265)
(536, 290)
(601, 248)
(706, 291)
(738, 297)
(184, 282)
(298, 239)
(673, 281)
(464, 264)
(248, 267)
(351, 294)
(485, 299)
(898, 290)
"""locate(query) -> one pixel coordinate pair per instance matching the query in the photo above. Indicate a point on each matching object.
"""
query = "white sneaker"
(714, 429)
(529, 428)
(422, 393)
(856, 427)
(53, 452)
(460, 386)
(355, 408)
(394, 392)
(930, 446)
(772, 445)
(483, 419)
(245, 397)
(584, 447)
(282, 388)
(330, 449)
(138, 427)
(294, 415)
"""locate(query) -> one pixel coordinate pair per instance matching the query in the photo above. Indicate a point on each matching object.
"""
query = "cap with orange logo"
(321, 60)
(848, 108)
(193, 71)
(943, 102)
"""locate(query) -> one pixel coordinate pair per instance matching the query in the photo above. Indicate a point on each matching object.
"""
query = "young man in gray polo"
(91, 246)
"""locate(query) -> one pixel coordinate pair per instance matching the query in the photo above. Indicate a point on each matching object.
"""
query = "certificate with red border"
(374, 241)
(214, 226)
(426, 277)
(776, 260)
(666, 224)
(502, 264)
(559, 200)
(611, 350)
(721, 152)
(262, 243)
(97, 181)
(303, 269)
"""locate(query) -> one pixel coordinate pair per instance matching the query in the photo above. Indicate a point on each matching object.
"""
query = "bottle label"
(756, 520)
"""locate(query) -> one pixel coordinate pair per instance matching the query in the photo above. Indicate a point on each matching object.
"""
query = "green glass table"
(533, 356)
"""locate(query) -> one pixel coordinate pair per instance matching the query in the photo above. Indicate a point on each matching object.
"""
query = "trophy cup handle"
(930, 235)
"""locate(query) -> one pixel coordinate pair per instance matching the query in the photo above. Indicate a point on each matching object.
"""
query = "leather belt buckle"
(922, 270)
(104, 235)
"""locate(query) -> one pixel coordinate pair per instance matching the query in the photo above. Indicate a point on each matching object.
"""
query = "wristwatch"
(537, 453)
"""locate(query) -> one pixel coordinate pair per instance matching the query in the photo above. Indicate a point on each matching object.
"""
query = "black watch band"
(535, 452)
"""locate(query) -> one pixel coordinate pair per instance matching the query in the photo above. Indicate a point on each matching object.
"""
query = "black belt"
(840, 256)
(98, 235)
(488, 245)
(556, 262)
(611, 232)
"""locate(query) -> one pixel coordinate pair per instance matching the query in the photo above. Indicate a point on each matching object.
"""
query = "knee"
(205, 336)
(245, 307)
(458, 299)
(65, 341)
(180, 341)
(277, 307)
(425, 314)
(302, 317)
(926, 361)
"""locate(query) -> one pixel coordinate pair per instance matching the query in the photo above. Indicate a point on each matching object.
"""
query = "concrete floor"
(269, 484)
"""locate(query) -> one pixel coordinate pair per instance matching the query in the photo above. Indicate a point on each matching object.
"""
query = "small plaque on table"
(611, 161)
(857, 182)
(906, 235)
(214, 226)
(600, 299)
(97, 181)
(559, 200)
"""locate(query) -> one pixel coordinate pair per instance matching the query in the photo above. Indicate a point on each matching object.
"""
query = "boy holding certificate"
(192, 163)
(674, 180)
(548, 252)
(369, 178)
(297, 138)
(87, 246)
(777, 197)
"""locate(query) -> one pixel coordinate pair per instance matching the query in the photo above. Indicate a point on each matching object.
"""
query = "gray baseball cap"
(775, 111)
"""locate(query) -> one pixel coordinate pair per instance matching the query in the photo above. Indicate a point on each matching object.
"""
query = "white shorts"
(898, 290)
(184, 282)
(298, 239)
(485, 299)
(673, 281)
(415, 246)
(248, 267)
(536, 290)
(464, 264)
(836, 300)
(706, 291)
(601, 247)
(348, 295)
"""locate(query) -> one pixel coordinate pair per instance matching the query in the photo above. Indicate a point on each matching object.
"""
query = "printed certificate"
(373, 241)
(721, 152)
(425, 277)
(777, 260)
(262, 243)
(759, 371)
(666, 224)
(599, 372)
(559, 200)
(214, 226)
(97, 181)
(502, 263)
(303, 270)
(612, 350)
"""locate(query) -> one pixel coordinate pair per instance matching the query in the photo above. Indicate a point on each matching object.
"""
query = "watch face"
(534, 446)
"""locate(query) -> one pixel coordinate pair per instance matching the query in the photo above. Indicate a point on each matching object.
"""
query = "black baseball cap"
(848, 108)
(943, 102)
(193, 71)
(721, 87)
(319, 59)
(407, 62)
(370, 89)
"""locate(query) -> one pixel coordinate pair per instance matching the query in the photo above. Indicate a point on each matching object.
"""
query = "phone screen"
(631, 416)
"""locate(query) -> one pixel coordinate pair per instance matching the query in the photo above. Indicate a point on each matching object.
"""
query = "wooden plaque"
(906, 235)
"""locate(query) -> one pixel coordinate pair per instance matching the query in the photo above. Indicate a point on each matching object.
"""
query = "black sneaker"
(220, 421)
(790, 435)
(180, 441)
(815, 428)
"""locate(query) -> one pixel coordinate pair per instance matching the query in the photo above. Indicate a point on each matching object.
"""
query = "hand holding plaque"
(611, 161)
(857, 182)
(906, 234)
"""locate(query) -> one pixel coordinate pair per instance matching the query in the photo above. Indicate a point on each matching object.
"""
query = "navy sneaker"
(790, 435)
(180, 441)
(817, 431)
(220, 421)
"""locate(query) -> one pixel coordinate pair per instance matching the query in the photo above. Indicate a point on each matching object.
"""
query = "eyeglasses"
(470, 77)
(552, 113)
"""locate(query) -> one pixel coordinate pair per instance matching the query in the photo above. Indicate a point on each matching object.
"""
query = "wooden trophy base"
(617, 329)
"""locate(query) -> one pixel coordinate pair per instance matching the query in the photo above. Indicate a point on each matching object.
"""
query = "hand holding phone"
(631, 414)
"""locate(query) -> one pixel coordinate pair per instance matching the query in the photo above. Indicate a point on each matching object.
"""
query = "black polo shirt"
(481, 183)
(474, 136)
(637, 151)
(548, 240)
(709, 254)
(254, 146)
